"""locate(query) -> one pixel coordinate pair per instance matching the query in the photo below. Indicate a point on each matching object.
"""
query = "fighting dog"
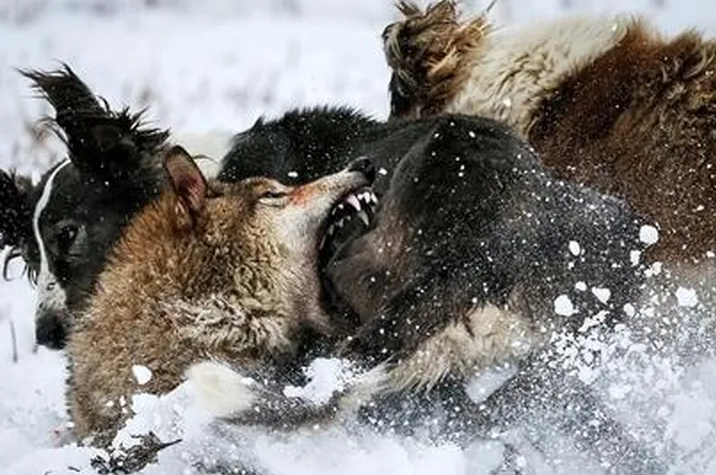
(305, 145)
(209, 270)
(606, 101)
(477, 256)
(64, 226)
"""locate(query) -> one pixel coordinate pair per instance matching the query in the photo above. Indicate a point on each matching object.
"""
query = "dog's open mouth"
(349, 219)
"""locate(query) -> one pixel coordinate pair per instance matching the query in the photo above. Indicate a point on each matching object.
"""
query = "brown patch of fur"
(223, 286)
(429, 53)
(640, 122)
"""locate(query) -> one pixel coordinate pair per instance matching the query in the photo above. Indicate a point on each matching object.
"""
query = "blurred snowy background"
(218, 65)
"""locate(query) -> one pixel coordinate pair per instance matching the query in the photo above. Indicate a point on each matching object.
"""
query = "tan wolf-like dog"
(210, 270)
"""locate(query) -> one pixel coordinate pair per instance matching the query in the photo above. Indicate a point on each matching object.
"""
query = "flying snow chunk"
(382, 171)
(686, 297)
(563, 306)
(648, 234)
(142, 374)
(602, 293)
(574, 248)
(292, 174)
(581, 286)
(634, 257)
(629, 309)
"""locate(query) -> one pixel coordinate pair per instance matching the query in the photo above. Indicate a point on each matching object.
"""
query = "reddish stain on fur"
(194, 277)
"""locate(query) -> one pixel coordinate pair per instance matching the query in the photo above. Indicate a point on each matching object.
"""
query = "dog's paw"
(219, 390)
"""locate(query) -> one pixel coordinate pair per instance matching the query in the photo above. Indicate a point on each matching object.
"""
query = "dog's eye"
(66, 236)
(273, 194)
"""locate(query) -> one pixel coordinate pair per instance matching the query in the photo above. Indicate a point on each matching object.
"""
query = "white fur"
(516, 68)
(50, 295)
(219, 390)
(491, 336)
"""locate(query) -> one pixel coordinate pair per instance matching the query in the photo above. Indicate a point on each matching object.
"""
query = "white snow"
(648, 234)
(564, 306)
(686, 297)
(142, 374)
(602, 294)
(325, 375)
(219, 65)
(574, 248)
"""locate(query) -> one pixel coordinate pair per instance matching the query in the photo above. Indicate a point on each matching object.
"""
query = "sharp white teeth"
(331, 230)
(372, 197)
(339, 224)
(323, 242)
(353, 201)
(340, 206)
(364, 217)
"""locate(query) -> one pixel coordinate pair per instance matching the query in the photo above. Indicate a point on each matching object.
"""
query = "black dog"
(66, 225)
(476, 256)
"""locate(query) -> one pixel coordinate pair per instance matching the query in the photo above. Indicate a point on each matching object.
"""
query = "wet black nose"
(50, 332)
(364, 165)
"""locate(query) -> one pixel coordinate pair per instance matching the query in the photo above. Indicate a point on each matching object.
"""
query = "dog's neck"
(517, 68)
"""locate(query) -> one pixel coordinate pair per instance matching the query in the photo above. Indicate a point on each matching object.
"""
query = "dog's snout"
(50, 332)
(365, 166)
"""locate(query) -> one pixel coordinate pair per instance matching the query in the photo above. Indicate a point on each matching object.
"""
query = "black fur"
(112, 175)
(15, 212)
(468, 216)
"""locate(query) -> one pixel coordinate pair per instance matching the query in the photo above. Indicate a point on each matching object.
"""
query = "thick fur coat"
(606, 101)
(472, 251)
(209, 271)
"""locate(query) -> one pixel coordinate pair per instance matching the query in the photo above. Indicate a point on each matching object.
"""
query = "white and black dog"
(65, 225)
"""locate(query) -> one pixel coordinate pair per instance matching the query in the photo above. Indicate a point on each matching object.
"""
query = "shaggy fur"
(227, 272)
(459, 270)
(64, 227)
(606, 101)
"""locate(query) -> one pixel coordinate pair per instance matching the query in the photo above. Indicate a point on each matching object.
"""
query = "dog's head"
(257, 239)
(430, 54)
(64, 226)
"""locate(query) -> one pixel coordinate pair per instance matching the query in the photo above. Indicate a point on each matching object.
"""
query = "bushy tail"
(429, 52)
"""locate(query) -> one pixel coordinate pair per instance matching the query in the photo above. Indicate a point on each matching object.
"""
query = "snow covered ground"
(220, 64)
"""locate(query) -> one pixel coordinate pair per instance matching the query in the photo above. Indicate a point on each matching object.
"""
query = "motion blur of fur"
(210, 270)
(606, 101)
(64, 226)
(476, 256)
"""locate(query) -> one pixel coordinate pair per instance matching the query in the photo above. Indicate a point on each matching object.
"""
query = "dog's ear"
(15, 209)
(108, 145)
(186, 180)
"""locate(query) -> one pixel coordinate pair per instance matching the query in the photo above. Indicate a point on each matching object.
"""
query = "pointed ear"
(113, 146)
(15, 210)
(186, 180)
(68, 95)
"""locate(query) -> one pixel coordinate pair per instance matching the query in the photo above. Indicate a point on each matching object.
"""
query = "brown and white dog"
(209, 270)
(606, 101)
